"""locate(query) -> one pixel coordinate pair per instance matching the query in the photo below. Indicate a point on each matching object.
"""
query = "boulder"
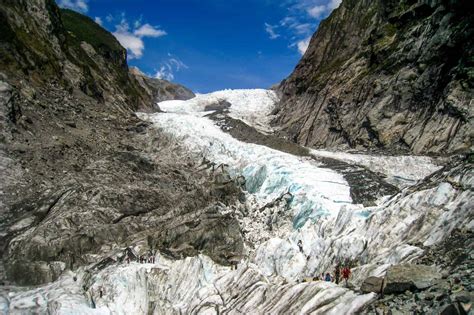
(453, 309)
(401, 278)
(372, 284)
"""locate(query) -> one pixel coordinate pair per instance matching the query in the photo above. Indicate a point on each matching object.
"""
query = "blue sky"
(210, 45)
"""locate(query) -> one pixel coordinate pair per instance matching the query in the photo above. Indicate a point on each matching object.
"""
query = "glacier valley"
(287, 199)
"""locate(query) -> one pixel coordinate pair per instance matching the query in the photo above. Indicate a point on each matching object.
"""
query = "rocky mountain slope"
(391, 75)
(161, 90)
(77, 173)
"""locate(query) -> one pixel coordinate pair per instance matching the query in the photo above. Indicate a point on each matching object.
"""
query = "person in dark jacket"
(337, 274)
(327, 278)
(300, 245)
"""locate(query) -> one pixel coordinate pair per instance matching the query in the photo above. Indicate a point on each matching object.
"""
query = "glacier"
(288, 199)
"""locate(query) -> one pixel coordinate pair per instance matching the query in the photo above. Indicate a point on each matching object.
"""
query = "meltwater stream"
(288, 199)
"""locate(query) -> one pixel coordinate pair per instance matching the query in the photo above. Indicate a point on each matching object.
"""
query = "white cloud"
(132, 43)
(334, 4)
(164, 74)
(270, 29)
(132, 40)
(302, 28)
(147, 30)
(317, 11)
(138, 22)
(303, 45)
(168, 68)
(302, 18)
(323, 10)
(178, 64)
(76, 5)
(98, 20)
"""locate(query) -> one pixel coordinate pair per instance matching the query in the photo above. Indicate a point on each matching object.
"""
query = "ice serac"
(195, 285)
(392, 75)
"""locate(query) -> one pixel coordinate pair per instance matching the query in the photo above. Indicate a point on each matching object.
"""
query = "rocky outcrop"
(451, 290)
(390, 75)
(161, 90)
(401, 278)
(373, 284)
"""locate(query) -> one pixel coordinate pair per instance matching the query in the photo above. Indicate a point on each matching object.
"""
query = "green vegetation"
(386, 37)
(82, 28)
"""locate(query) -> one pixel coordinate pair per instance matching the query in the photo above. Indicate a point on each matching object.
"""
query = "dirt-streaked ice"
(401, 171)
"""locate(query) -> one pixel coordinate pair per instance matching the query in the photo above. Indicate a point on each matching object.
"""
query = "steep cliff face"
(41, 43)
(391, 75)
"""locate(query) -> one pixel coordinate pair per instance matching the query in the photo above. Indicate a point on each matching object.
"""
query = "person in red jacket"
(346, 273)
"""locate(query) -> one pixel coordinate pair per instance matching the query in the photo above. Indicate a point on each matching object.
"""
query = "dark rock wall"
(385, 75)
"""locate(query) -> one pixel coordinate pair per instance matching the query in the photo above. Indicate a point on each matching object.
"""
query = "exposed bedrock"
(385, 75)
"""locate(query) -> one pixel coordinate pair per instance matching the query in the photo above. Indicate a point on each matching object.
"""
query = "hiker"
(346, 273)
(327, 278)
(381, 289)
(337, 273)
(300, 245)
(233, 260)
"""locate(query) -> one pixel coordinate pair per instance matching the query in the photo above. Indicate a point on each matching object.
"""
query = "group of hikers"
(339, 273)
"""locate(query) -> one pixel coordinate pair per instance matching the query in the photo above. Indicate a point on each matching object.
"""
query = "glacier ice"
(253, 106)
(195, 285)
(322, 212)
(317, 209)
